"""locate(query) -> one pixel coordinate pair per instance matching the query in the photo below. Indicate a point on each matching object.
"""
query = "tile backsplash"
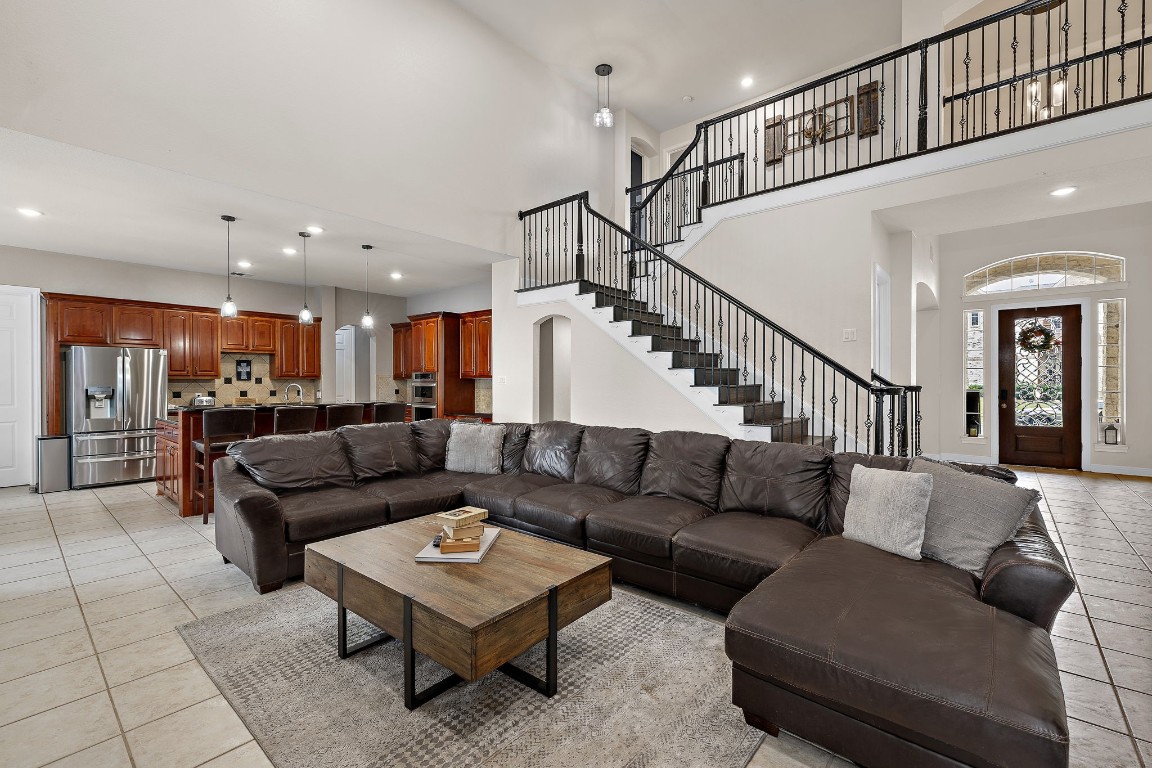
(386, 387)
(228, 388)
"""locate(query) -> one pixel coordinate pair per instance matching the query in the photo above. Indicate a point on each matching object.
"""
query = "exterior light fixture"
(228, 308)
(603, 117)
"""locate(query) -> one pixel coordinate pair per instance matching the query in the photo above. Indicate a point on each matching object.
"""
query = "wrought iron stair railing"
(782, 384)
(1038, 62)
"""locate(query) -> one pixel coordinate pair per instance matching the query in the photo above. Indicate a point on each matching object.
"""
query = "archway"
(553, 347)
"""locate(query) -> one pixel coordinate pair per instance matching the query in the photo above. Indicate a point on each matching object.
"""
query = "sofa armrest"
(249, 525)
(1027, 575)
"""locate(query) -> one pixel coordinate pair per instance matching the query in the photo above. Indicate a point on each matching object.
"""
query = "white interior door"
(344, 361)
(17, 393)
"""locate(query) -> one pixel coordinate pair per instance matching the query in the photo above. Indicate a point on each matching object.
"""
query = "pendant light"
(305, 313)
(228, 308)
(603, 117)
(367, 322)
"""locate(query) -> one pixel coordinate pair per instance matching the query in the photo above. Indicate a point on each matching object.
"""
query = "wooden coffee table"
(472, 618)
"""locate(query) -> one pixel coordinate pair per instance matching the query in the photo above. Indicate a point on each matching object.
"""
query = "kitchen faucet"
(299, 393)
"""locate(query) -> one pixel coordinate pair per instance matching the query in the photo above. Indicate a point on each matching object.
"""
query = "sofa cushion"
(284, 462)
(409, 497)
(779, 479)
(739, 549)
(375, 450)
(612, 457)
(322, 513)
(642, 524)
(515, 441)
(496, 493)
(552, 449)
(431, 436)
(453, 479)
(475, 448)
(969, 516)
(686, 466)
(562, 508)
(907, 647)
(840, 483)
(887, 510)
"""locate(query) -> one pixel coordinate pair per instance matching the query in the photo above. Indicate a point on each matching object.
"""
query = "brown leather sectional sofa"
(887, 661)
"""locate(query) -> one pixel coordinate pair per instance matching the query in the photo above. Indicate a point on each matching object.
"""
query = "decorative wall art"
(868, 110)
(808, 128)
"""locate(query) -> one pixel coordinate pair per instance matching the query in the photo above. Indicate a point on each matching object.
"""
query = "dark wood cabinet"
(234, 335)
(401, 350)
(310, 351)
(425, 346)
(177, 339)
(83, 322)
(168, 471)
(476, 345)
(136, 325)
(205, 345)
(262, 335)
(287, 363)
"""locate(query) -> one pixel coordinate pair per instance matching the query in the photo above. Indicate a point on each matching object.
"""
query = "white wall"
(607, 386)
(1124, 231)
(465, 298)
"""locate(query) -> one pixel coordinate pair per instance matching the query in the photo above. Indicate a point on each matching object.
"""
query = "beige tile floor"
(93, 675)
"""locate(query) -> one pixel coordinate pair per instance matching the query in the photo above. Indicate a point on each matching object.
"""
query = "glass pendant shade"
(367, 322)
(306, 316)
(228, 308)
(603, 118)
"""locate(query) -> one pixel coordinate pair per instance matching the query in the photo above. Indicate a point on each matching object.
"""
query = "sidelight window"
(1110, 369)
(974, 372)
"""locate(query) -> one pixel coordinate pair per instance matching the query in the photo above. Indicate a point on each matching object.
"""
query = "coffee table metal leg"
(412, 698)
(547, 686)
(342, 623)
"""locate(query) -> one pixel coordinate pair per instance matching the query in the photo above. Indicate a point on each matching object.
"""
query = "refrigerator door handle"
(118, 457)
(120, 388)
(114, 435)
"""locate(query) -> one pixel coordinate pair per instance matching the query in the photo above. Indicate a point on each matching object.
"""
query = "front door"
(1039, 396)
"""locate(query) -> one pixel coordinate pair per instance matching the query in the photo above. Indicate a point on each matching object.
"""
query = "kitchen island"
(175, 457)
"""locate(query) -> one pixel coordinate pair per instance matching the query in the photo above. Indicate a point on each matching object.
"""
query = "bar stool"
(294, 419)
(344, 415)
(222, 427)
(388, 412)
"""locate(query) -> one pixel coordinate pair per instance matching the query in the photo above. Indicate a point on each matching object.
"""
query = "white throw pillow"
(888, 511)
(475, 448)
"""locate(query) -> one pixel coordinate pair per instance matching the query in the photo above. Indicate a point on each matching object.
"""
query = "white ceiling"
(111, 208)
(663, 50)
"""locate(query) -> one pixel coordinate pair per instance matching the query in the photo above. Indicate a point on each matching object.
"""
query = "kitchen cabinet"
(234, 334)
(476, 345)
(287, 362)
(401, 350)
(310, 351)
(168, 472)
(83, 322)
(176, 335)
(425, 347)
(262, 335)
(205, 345)
(136, 325)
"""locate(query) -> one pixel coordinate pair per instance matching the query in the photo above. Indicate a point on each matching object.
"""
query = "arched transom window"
(1038, 271)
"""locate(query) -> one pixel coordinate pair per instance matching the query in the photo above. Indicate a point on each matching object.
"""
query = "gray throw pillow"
(970, 515)
(886, 509)
(475, 448)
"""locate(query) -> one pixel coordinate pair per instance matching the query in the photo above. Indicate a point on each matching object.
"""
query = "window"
(974, 373)
(1110, 366)
(1044, 270)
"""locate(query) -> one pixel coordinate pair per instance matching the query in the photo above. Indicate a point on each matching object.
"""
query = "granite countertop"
(473, 415)
(263, 406)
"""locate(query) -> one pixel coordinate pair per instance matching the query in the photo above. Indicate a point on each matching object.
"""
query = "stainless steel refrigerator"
(113, 397)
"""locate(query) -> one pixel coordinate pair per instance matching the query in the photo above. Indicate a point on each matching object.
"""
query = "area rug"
(642, 684)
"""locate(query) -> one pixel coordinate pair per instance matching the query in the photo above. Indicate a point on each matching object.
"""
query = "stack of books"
(463, 529)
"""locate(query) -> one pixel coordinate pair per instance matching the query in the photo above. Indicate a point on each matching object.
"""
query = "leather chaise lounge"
(887, 661)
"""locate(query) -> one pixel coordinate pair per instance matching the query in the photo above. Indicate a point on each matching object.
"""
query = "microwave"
(424, 393)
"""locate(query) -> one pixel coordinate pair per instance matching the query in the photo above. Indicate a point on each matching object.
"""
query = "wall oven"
(424, 389)
(421, 412)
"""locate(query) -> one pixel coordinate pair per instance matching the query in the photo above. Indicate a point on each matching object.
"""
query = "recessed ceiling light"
(315, 230)
(396, 275)
(288, 251)
(30, 212)
(243, 264)
(747, 82)
(1062, 192)
(687, 98)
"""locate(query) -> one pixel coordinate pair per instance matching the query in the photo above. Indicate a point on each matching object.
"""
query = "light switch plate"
(849, 334)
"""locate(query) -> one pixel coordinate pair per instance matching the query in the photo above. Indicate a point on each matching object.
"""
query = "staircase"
(707, 368)
(754, 378)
